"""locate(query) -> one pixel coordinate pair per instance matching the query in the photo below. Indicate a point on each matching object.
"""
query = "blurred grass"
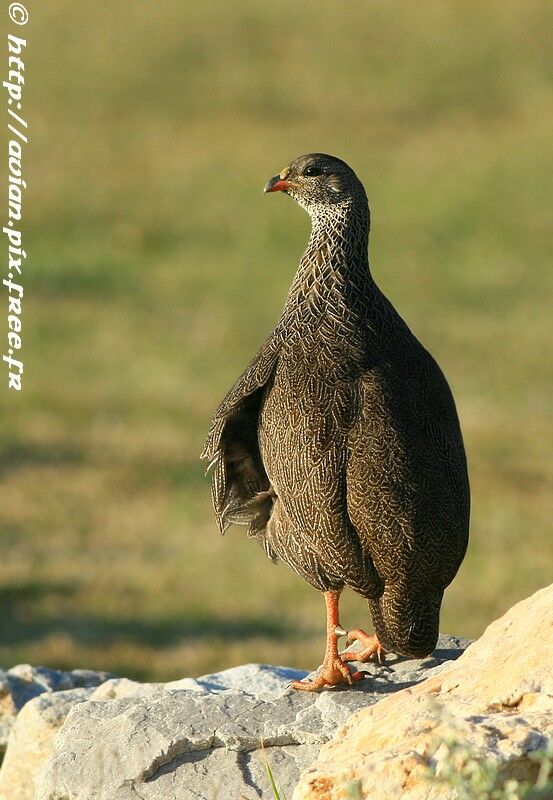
(157, 267)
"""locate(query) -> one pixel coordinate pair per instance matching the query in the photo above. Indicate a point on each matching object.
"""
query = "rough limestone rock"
(20, 684)
(201, 738)
(32, 738)
(497, 700)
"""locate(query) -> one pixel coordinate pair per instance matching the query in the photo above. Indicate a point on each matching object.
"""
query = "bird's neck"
(334, 266)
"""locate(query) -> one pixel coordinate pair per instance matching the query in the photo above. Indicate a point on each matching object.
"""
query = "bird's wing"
(240, 488)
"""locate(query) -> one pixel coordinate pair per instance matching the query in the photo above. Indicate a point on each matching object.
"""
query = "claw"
(340, 631)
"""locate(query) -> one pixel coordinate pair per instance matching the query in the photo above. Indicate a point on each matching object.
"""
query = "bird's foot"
(332, 673)
(371, 645)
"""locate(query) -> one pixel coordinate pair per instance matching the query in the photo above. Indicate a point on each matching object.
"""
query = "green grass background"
(156, 268)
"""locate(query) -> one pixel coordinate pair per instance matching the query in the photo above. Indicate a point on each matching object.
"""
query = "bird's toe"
(371, 647)
(333, 672)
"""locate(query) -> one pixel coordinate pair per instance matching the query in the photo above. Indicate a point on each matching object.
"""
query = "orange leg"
(333, 671)
(372, 647)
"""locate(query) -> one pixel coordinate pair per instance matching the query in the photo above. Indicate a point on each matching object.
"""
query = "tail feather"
(406, 619)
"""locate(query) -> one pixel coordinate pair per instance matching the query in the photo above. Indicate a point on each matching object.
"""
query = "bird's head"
(316, 180)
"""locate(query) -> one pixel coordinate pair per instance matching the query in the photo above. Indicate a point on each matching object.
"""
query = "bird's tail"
(406, 620)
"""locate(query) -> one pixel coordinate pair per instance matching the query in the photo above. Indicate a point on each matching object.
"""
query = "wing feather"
(240, 489)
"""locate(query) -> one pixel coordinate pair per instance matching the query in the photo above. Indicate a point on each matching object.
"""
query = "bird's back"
(408, 489)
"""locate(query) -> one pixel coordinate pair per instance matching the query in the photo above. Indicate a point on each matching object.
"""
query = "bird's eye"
(312, 172)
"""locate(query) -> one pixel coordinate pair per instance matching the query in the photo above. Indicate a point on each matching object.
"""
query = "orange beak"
(277, 184)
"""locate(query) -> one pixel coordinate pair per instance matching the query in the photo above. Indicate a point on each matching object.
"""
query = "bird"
(340, 447)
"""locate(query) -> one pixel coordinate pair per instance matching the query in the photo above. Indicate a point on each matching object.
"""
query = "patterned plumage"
(339, 446)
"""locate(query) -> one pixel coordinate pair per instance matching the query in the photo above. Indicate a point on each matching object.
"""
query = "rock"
(32, 738)
(20, 684)
(496, 700)
(202, 737)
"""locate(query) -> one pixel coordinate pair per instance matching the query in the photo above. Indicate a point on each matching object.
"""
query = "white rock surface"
(201, 738)
(20, 684)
